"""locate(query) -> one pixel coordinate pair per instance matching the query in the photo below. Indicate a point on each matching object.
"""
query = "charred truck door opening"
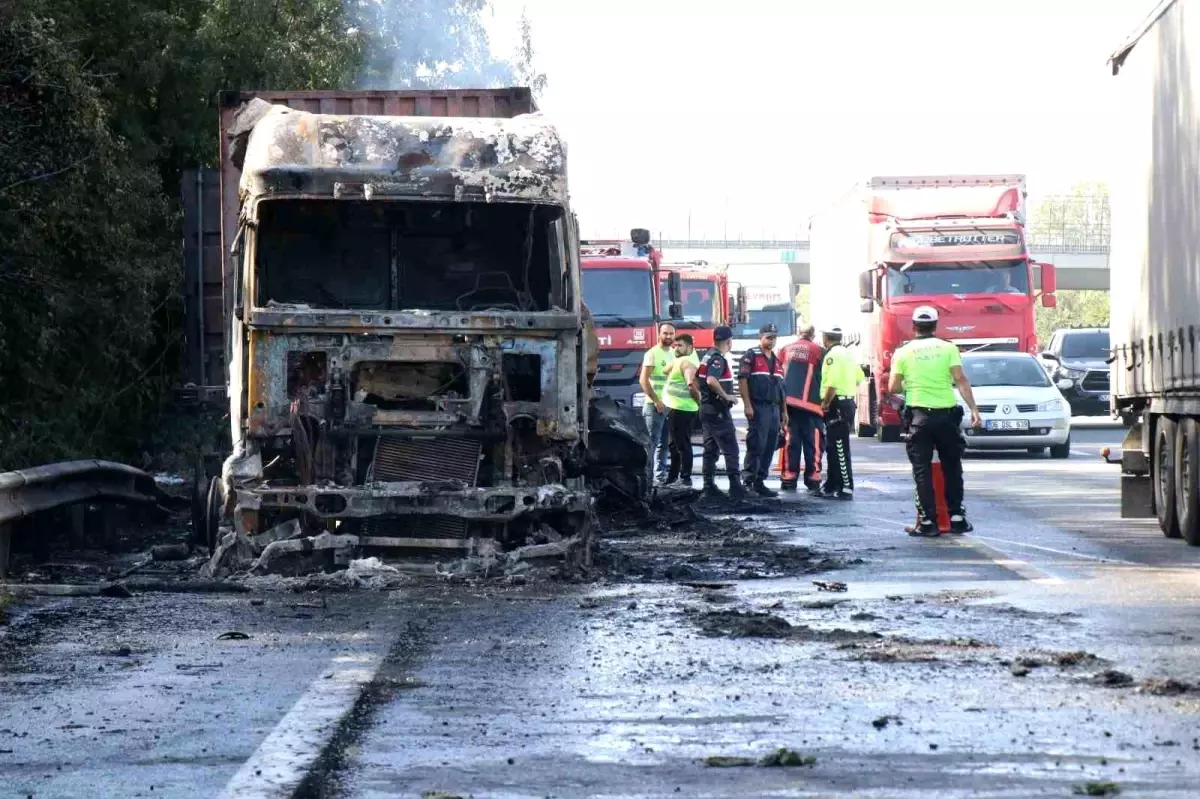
(407, 347)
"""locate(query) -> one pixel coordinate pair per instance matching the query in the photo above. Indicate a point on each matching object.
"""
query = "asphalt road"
(946, 668)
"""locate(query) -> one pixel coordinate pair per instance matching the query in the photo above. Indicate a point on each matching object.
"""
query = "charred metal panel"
(204, 318)
(296, 153)
(399, 460)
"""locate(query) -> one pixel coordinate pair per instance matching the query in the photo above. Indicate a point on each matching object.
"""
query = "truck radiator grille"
(1095, 381)
(415, 527)
(436, 459)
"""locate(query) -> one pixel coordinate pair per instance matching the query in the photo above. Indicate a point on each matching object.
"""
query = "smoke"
(429, 44)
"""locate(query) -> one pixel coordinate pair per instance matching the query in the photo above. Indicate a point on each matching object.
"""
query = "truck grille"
(414, 527)
(1095, 381)
(432, 459)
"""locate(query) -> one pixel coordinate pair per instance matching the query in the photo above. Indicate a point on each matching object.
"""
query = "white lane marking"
(1021, 568)
(1063, 552)
(283, 760)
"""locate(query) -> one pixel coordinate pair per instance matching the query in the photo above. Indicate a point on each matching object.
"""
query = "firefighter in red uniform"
(805, 423)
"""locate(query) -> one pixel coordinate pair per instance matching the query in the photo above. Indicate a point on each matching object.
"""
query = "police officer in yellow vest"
(683, 404)
(653, 380)
(927, 369)
(840, 376)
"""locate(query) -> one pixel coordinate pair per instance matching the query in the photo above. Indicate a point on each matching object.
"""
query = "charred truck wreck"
(406, 344)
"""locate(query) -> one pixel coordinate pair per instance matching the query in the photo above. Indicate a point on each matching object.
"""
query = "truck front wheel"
(1187, 462)
(1163, 467)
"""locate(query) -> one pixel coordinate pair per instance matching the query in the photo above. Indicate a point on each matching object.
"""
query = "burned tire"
(1187, 479)
(1163, 476)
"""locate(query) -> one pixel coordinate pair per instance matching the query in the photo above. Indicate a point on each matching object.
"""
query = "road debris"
(829, 585)
(1097, 789)
(1111, 678)
(780, 758)
(884, 721)
(1168, 686)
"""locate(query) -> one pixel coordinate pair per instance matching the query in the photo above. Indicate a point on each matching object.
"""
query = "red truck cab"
(704, 293)
(955, 243)
(620, 289)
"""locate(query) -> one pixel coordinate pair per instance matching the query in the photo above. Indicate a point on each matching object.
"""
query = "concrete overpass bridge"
(1078, 266)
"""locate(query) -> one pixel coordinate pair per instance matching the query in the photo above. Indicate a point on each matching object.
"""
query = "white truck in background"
(770, 297)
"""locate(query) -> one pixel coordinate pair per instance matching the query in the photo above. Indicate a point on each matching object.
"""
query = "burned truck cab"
(406, 342)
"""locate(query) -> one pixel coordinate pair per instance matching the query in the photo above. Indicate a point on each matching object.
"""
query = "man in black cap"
(760, 379)
(715, 377)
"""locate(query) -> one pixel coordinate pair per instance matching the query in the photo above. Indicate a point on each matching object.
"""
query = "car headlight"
(1051, 405)
(1073, 374)
(639, 400)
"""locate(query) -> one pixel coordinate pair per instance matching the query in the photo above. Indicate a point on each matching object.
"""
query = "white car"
(1021, 408)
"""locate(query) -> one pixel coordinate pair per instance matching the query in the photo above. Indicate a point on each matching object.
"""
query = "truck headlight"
(1072, 374)
(639, 400)
(1051, 405)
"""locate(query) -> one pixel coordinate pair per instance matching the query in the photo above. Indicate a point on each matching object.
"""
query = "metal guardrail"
(55, 485)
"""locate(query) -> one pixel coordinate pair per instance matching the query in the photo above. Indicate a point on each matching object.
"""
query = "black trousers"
(680, 424)
(720, 438)
(839, 471)
(937, 429)
(762, 440)
(806, 433)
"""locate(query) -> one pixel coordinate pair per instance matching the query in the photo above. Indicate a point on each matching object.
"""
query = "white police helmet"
(925, 314)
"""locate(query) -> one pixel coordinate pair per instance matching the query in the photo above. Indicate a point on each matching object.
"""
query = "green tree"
(1081, 219)
(102, 104)
(1081, 308)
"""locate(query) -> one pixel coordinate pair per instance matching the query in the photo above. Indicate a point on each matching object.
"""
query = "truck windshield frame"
(618, 293)
(697, 308)
(782, 316)
(931, 279)
(394, 255)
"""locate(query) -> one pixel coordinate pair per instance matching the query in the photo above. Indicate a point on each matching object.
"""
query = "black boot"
(737, 489)
(924, 528)
(787, 485)
(761, 489)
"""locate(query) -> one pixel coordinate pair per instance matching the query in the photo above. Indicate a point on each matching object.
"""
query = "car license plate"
(1008, 424)
(1104, 398)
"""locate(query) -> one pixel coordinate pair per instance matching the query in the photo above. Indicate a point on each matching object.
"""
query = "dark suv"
(1079, 356)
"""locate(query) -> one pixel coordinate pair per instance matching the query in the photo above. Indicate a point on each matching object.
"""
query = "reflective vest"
(656, 358)
(678, 397)
(802, 375)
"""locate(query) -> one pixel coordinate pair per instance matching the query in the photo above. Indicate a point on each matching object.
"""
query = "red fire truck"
(954, 242)
(620, 280)
(706, 300)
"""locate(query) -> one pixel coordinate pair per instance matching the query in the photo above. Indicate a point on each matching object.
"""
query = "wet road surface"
(1030, 658)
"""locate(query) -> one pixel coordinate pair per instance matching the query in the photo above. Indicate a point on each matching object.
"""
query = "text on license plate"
(1104, 398)
(1008, 424)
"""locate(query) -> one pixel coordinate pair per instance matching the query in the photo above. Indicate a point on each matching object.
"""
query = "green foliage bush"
(103, 103)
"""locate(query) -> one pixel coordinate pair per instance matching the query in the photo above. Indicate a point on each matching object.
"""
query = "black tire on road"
(1187, 479)
(868, 430)
(1037, 450)
(1162, 470)
(1062, 450)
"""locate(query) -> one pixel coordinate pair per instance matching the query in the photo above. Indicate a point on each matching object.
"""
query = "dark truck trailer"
(1155, 286)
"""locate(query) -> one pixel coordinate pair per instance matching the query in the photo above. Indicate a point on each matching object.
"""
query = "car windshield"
(783, 318)
(958, 277)
(624, 293)
(1020, 370)
(1092, 345)
(697, 300)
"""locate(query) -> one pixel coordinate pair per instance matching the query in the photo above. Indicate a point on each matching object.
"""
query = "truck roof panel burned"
(297, 153)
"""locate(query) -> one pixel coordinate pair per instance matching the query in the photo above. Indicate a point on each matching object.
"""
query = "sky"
(741, 119)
